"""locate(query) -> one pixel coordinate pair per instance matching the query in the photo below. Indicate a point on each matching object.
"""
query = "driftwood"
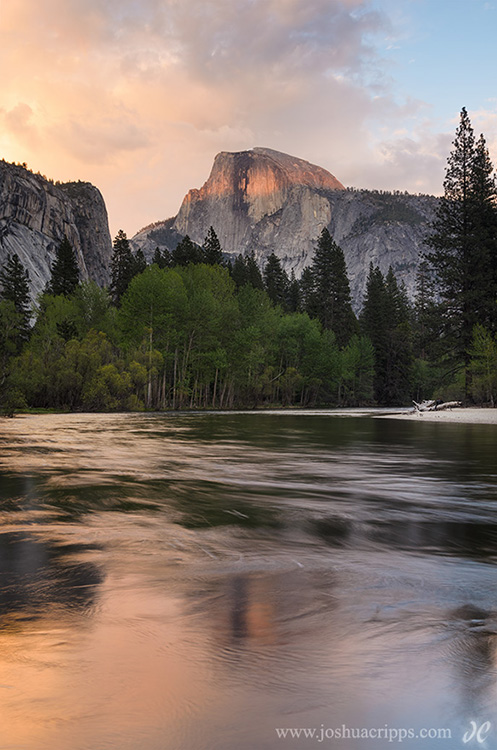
(435, 405)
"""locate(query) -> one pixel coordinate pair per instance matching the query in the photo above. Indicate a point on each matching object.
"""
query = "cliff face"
(265, 201)
(254, 196)
(35, 215)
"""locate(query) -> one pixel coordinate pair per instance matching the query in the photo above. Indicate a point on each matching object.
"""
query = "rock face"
(265, 201)
(35, 214)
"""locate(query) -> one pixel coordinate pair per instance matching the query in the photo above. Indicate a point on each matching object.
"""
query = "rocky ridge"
(265, 201)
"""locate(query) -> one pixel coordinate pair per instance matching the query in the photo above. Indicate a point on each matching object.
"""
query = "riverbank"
(462, 415)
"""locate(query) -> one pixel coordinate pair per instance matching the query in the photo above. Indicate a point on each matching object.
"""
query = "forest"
(195, 329)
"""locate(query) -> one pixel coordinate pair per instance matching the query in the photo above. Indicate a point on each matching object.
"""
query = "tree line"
(193, 329)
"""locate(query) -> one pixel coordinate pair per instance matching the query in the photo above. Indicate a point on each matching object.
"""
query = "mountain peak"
(260, 171)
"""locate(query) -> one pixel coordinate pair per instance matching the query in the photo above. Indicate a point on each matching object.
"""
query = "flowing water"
(216, 581)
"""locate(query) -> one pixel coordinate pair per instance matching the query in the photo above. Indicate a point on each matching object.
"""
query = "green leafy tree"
(14, 287)
(357, 372)
(92, 309)
(211, 249)
(484, 366)
(122, 267)
(65, 271)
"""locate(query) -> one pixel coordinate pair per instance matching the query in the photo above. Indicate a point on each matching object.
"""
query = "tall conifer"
(275, 281)
(330, 300)
(122, 266)
(463, 244)
(211, 248)
(65, 270)
(14, 287)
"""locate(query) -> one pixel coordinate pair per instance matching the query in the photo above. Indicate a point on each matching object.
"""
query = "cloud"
(139, 96)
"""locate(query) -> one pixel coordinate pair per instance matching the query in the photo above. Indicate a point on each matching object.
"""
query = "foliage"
(484, 366)
(327, 295)
(385, 320)
(65, 271)
(122, 267)
(275, 281)
(463, 246)
(211, 249)
(14, 287)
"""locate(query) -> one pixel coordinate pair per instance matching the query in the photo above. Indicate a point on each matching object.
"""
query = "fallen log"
(435, 405)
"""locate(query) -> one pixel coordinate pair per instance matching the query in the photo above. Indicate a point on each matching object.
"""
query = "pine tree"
(426, 316)
(65, 271)
(276, 281)
(484, 216)
(384, 319)
(293, 297)
(157, 258)
(306, 289)
(186, 252)
(239, 271)
(162, 258)
(212, 252)
(331, 301)
(140, 262)
(122, 267)
(254, 275)
(14, 284)
(463, 245)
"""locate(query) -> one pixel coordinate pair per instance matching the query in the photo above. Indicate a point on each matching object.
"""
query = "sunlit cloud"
(138, 97)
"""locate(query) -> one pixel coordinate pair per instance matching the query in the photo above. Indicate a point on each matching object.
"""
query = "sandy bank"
(462, 415)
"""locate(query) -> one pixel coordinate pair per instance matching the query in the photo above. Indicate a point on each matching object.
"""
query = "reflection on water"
(179, 582)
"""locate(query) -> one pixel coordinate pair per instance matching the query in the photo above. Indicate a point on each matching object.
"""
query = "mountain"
(35, 214)
(267, 201)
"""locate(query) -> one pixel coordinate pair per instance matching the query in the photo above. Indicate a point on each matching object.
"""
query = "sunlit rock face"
(35, 214)
(260, 200)
(266, 201)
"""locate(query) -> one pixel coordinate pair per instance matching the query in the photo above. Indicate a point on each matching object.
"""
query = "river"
(247, 582)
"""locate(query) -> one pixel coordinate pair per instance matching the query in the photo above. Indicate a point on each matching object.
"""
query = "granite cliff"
(35, 214)
(266, 201)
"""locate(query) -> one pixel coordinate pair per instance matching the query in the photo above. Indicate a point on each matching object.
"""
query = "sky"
(138, 96)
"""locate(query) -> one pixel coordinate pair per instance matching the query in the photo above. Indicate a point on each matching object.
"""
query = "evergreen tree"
(426, 315)
(239, 271)
(212, 252)
(463, 245)
(276, 281)
(254, 275)
(186, 252)
(293, 297)
(484, 215)
(122, 267)
(331, 301)
(14, 285)
(306, 289)
(157, 258)
(162, 258)
(140, 262)
(64, 272)
(384, 319)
